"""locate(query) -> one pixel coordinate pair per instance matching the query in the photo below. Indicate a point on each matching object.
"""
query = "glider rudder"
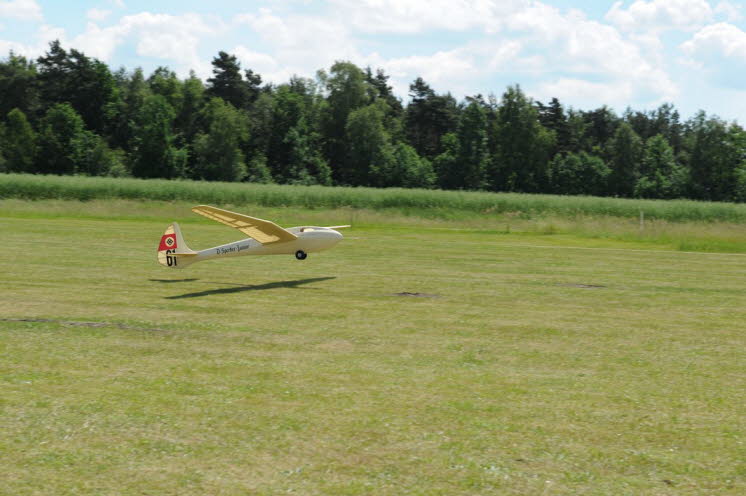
(173, 252)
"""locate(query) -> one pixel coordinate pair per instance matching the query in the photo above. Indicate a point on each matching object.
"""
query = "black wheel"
(300, 255)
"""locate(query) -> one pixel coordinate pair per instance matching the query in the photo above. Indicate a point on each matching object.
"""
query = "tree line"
(66, 113)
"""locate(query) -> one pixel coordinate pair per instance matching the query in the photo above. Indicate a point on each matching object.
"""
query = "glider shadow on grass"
(258, 287)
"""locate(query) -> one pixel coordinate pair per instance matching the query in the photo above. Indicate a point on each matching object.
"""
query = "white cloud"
(717, 40)
(97, 14)
(578, 90)
(530, 38)
(660, 15)
(415, 16)
(25, 10)
(100, 42)
(601, 60)
(263, 64)
(44, 34)
(730, 11)
(443, 70)
(302, 44)
(173, 38)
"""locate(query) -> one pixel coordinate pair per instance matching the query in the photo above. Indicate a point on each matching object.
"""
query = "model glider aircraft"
(265, 238)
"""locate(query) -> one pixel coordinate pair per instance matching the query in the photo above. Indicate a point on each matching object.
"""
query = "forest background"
(67, 113)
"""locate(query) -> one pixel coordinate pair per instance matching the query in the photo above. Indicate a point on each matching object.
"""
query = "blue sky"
(636, 53)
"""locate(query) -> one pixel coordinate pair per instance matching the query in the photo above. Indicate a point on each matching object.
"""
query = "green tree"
(18, 87)
(473, 153)
(257, 170)
(261, 127)
(740, 183)
(523, 146)
(59, 131)
(18, 143)
(409, 170)
(154, 153)
(227, 82)
(578, 174)
(379, 88)
(369, 146)
(83, 82)
(347, 91)
(132, 91)
(306, 165)
(626, 153)
(553, 118)
(193, 100)
(446, 164)
(93, 157)
(661, 176)
(715, 150)
(428, 118)
(253, 85)
(601, 126)
(218, 155)
(164, 82)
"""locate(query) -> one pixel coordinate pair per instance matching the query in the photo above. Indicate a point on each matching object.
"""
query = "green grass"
(421, 203)
(541, 364)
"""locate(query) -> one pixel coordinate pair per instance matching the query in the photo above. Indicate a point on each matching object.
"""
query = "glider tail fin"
(173, 252)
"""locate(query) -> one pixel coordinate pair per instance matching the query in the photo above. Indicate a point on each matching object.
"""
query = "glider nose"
(334, 238)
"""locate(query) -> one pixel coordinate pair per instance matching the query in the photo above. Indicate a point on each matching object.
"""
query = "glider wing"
(263, 231)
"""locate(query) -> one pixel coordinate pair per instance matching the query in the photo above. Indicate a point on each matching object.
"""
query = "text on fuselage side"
(222, 250)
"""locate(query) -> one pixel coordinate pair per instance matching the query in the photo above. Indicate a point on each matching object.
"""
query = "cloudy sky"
(637, 53)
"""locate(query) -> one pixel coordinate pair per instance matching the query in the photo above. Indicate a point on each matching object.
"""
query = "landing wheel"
(300, 255)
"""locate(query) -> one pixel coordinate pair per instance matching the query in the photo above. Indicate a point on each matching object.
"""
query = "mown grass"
(421, 203)
(538, 364)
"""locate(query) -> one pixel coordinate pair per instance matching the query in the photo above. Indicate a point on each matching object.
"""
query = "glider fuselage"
(310, 240)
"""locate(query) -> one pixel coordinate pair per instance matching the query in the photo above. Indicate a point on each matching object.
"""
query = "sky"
(635, 53)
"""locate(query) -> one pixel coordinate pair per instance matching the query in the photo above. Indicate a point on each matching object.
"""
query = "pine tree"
(227, 82)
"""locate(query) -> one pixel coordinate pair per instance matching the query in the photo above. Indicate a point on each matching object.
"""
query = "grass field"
(532, 360)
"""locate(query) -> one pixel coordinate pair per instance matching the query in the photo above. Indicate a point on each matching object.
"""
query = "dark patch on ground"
(72, 323)
(258, 287)
(416, 295)
(582, 286)
(173, 280)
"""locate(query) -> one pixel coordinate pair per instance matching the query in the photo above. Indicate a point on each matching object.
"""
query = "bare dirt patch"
(416, 295)
(582, 286)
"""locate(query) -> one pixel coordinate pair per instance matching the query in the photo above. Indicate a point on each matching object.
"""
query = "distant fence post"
(642, 221)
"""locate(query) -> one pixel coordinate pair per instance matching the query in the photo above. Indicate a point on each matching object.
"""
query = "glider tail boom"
(173, 252)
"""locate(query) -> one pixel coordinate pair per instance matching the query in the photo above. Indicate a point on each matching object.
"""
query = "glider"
(265, 238)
